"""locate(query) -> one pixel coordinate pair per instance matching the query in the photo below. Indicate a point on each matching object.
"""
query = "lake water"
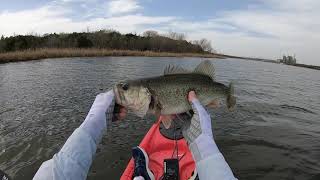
(273, 134)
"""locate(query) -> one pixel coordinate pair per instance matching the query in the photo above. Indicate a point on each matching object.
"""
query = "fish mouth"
(117, 95)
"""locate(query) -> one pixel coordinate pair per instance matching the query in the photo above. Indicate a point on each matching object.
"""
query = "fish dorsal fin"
(174, 69)
(205, 68)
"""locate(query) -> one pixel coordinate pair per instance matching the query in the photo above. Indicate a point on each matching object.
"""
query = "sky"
(255, 28)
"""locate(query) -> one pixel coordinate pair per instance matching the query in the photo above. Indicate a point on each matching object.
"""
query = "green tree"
(84, 42)
(110, 39)
(2, 44)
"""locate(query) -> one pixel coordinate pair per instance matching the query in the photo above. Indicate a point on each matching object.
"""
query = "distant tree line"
(110, 39)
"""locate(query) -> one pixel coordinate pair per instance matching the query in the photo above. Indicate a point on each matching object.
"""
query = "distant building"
(291, 60)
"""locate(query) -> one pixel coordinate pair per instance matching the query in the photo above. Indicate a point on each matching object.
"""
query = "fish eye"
(125, 86)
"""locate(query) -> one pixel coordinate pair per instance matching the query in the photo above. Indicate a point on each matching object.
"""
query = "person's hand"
(105, 99)
(104, 102)
(114, 111)
(198, 132)
(99, 114)
(200, 122)
(119, 112)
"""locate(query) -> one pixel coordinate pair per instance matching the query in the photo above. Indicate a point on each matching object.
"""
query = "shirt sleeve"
(72, 161)
(214, 167)
(75, 157)
(210, 163)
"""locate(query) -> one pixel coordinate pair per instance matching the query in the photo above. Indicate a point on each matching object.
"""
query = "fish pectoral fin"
(214, 104)
(166, 122)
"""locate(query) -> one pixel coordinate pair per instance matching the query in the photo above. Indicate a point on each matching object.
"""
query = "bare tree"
(150, 33)
(204, 44)
(176, 36)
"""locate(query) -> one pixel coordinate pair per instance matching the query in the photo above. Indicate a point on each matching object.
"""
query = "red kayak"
(159, 147)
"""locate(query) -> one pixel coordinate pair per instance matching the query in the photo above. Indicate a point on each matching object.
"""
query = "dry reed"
(77, 52)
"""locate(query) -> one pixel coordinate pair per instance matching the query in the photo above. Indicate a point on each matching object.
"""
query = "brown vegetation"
(44, 53)
(105, 39)
(100, 43)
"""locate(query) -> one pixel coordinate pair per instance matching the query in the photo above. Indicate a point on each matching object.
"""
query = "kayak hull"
(160, 148)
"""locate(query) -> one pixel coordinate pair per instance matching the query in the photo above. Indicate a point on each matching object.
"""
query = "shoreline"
(45, 53)
(307, 66)
(249, 58)
(271, 61)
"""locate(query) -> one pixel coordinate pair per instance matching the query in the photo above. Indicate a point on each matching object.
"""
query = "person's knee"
(138, 178)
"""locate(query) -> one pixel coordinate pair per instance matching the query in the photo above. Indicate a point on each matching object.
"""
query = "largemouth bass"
(167, 94)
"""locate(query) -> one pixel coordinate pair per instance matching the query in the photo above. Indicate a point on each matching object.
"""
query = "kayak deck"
(160, 148)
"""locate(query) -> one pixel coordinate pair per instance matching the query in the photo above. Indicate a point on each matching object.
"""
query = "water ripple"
(273, 133)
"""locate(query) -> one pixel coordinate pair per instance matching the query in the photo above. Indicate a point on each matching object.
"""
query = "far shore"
(37, 54)
(45, 53)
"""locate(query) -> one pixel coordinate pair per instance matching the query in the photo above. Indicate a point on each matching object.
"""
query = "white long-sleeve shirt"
(212, 164)
(74, 159)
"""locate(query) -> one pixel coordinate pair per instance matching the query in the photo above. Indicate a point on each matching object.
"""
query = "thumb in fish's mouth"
(117, 94)
(119, 112)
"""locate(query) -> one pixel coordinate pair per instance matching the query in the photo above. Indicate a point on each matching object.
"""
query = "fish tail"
(231, 100)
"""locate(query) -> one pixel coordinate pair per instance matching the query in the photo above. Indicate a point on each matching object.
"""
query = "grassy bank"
(79, 52)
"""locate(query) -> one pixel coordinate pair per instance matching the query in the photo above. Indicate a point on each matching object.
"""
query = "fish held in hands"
(167, 94)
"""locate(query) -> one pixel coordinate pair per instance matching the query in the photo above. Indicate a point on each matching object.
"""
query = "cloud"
(86, 9)
(290, 27)
(49, 19)
(291, 5)
(72, 1)
(117, 7)
(269, 29)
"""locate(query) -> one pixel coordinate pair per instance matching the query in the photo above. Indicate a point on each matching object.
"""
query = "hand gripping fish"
(167, 94)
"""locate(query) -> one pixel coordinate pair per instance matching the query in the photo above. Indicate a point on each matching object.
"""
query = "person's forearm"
(72, 161)
(214, 167)
(75, 157)
(95, 122)
(210, 162)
